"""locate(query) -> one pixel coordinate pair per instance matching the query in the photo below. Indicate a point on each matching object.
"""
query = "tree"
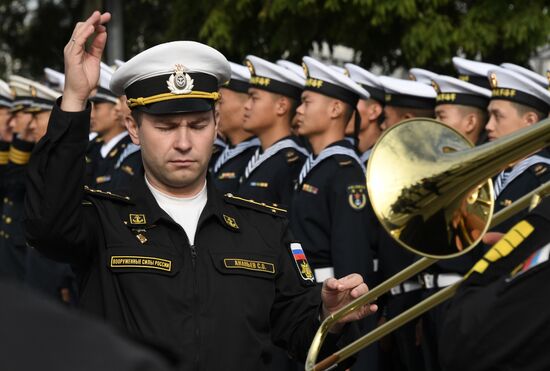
(390, 33)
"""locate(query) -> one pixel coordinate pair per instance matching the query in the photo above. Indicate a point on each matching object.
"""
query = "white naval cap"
(6, 95)
(174, 77)
(509, 85)
(55, 78)
(539, 79)
(273, 78)
(454, 91)
(325, 80)
(240, 78)
(422, 75)
(32, 96)
(407, 93)
(369, 81)
(21, 89)
(294, 68)
(43, 97)
(104, 93)
(473, 71)
(339, 69)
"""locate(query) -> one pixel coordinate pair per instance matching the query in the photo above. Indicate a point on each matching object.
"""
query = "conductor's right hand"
(82, 66)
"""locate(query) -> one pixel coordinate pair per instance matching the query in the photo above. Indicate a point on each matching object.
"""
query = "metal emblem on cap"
(435, 85)
(180, 82)
(306, 70)
(250, 67)
(493, 80)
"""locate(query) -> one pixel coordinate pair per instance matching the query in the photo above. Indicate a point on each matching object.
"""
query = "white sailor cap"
(43, 97)
(6, 95)
(21, 89)
(55, 78)
(104, 93)
(273, 78)
(454, 91)
(539, 79)
(509, 85)
(339, 69)
(174, 77)
(325, 80)
(32, 96)
(293, 67)
(422, 75)
(407, 93)
(473, 71)
(369, 81)
(240, 78)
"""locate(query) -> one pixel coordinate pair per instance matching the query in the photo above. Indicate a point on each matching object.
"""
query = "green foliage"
(391, 33)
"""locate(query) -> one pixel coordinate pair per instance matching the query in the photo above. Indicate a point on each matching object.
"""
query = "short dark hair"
(348, 112)
(137, 116)
(415, 112)
(522, 109)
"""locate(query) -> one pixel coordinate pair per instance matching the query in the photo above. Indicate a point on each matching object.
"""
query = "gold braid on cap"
(142, 101)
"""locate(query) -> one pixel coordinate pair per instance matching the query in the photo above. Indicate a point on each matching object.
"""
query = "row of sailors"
(301, 137)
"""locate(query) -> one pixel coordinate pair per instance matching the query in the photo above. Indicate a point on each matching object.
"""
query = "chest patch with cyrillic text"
(141, 262)
(251, 265)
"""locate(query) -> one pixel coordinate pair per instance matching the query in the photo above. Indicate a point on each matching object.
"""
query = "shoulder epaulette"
(539, 169)
(106, 194)
(343, 160)
(272, 209)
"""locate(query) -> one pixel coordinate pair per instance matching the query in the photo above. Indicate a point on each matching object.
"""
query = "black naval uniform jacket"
(13, 249)
(499, 319)
(528, 180)
(329, 215)
(226, 176)
(219, 303)
(273, 181)
(100, 170)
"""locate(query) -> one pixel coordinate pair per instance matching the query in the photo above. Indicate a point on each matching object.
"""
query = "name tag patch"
(123, 261)
(251, 265)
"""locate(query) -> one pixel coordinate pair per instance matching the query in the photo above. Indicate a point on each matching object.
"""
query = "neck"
(323, 140)
(369, 136)
(276, 132)
(187, 191)
(238, 136)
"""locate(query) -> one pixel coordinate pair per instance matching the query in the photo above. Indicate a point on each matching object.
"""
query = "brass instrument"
(429, 189)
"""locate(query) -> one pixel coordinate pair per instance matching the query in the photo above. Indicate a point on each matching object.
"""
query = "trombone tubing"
(410, 314)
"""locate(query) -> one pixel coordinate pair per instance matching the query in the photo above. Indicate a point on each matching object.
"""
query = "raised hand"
(82, 66)
(336, 293)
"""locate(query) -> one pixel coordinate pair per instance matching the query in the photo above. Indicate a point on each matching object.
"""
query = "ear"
(374, 111)
(336, 108)
(282, 106)
(530, 118)
(216, 120)
(133, 129)
(470, 123)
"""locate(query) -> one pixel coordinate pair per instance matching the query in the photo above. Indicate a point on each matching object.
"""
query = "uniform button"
(8, 220)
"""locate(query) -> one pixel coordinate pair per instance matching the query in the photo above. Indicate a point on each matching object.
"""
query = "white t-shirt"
(185, 211)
